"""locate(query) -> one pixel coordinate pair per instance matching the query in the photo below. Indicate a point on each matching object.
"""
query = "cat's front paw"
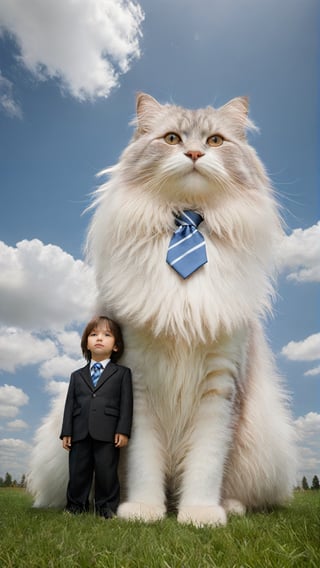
(202, 516)
(234, 507)
(141, 512)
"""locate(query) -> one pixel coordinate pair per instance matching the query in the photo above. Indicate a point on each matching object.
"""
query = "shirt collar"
(104, 363)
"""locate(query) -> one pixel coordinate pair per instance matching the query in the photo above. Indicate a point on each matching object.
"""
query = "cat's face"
(188, 154)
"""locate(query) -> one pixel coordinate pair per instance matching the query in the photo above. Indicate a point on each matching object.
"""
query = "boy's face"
(101, 342)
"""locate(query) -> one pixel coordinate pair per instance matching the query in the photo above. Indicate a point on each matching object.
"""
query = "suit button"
(94, 395)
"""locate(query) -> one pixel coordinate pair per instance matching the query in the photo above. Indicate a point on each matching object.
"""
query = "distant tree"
(7, 480)
(305, 484)
(315, 483)
(23, 481)
(1, 481)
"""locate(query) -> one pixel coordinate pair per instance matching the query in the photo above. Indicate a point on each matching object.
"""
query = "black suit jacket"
(101, 411)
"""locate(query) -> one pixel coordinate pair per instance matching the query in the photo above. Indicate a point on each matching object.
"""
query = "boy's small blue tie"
(187, 247)
(96, 371)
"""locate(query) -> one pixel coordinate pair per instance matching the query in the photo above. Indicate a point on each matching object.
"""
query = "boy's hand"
(120, 440)
(66, 442)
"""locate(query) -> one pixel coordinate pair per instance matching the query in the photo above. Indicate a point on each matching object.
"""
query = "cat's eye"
(172, 138)
(215, 140)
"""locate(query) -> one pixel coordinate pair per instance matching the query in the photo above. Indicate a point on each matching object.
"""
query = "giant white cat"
(212, 431)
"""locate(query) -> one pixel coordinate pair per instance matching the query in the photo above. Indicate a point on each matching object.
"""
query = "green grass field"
(289, 537)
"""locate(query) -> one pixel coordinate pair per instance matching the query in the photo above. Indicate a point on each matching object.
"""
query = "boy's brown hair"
(115, 330)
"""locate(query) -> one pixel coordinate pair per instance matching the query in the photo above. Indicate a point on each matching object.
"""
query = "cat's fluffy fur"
(212, 432)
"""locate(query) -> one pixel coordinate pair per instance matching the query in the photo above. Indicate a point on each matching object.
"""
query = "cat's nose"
(194, 155)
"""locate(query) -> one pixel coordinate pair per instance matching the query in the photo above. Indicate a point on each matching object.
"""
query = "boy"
(97, 419)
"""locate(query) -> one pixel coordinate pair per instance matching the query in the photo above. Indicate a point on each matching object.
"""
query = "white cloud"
(300, 254)
(13, 443)
(306, 350)
(17, 425)
(11, 398)
(67, 361)
(57, 388)
(16, 396)
(61, 366)
(43, 287)
(313, 372)
(7, 102)
(8, 411)
(308, 429)
(70, 341)
(85, 44)
(14, 455)
(308, 424)
(19, 348)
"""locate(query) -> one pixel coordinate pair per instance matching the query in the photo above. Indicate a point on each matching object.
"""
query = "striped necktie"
(187, 247)
(96, 371)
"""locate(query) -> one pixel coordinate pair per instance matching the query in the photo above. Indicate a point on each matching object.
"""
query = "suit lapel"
(86, 375)
(110, 369)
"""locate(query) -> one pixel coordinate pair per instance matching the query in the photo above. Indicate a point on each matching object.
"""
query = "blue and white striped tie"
(187, 247)
(96, 371)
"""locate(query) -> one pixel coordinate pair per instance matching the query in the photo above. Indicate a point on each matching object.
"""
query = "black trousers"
(101, 458)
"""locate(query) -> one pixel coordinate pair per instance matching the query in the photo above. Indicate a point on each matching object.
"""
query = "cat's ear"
(237, 109)
(239, 105)
(146, 107)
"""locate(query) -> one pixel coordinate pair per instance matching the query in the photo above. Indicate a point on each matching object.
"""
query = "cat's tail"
(47, 477)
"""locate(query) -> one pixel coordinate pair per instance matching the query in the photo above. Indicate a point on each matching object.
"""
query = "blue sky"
(69, 72)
